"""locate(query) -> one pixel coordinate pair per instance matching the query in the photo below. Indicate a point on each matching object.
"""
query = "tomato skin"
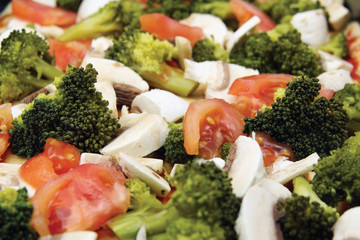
(208, 123)
(80, 199)
(42, 14)
(164, 27)
(243, 11)
(71, 52)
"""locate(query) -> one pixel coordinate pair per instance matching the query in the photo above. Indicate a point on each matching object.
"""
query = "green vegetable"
(336, 46)
(203, 198)
(25, 65)
(301, 119)
(16, 211)
(207, 50)
(110, 19)
(337, 177)
(76, 114)
(277, 53)
(146, 55)
(306, 216)
(174, 145)
(225, 149)
(72, 5)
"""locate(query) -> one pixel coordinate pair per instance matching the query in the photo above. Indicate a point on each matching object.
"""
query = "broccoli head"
(207, 50)
(337, 45)
(301, 119)
(76, 114)
(16, 211)
(305, 215)
(114, 17)
(174, 145)
(225, 149)
(349, 96)
(72, 5)
(147, 55)
(337, 177)
(25, 65)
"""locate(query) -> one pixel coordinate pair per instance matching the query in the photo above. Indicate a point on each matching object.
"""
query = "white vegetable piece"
(9, 177)
(17, 109)
(293, 170)
(247, 166)
(141, 234)
(89, 7)
(161, 102)
(99, 46)
(133, 168)
(128, 120)
(258, 208)
(243, 32)
(335, 80)
(330, 62)
(213, 27)
(96, 158)
(83, 235)
(313, 27)
(348, 226)
(280, 191)
(338, 14)
(219, 162)
(49, 3)
(154, 164)
(184, 49)
(143, 138)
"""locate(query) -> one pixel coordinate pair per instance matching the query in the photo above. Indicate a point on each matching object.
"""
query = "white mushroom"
(338, 14)
(184, 50)
(89, 7)
(313, 27)
(96, 158)
(9, 177)
(348, 225)
(83, 235)
(99, 47)
(162, 102)
(335, 80)
(17, 109)
(330, 62)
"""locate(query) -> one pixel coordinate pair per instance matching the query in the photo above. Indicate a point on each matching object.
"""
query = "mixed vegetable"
(158, 119)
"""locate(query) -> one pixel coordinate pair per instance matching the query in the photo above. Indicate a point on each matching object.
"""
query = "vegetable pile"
(200, 119)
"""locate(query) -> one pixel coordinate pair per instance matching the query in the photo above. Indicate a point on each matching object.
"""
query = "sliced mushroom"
(83, 235)
(97, 158)
(184, 49)
(338, 14)
(9, 177)
(89, 7)
(348, 225)
(335, 80)
(28, 99)
(330, 62)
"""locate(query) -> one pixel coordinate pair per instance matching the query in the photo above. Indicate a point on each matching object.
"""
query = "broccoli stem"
(47, 70)
(304, 188)
(171, 80)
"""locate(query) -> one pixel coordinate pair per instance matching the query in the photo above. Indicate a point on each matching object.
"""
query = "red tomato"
(42, 14)
(6, 119)
(71, 52)
(327, 93)
(208, 123)
(164, 27)
(254, 91)
(81, 199)
(57, 158)
(271, 149)
(243, 11)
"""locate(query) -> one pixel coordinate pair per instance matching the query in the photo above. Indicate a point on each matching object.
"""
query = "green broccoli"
(225, 149)
(110, 19)
(337, 45)
(277, 52)
(16, 211)
(76, 114)
(203, 198)
(337, 177)
(147, 55)
(25, 65)
(174, 145)
(301, 119)
(72, 5)
(350, 97)
(207, 50)
(306, 216)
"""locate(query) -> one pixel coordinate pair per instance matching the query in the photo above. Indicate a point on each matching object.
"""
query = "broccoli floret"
(207, 50)
(225, 149)
(76, 114)
(203, 198)
(174, 145)
(16, 211)
(147, 55)
(306, 216)
(337, 177)
(337, 45)
(301, 119)
(350, 97)
(110, 19)
(25, 65)
(219, 8)
(72, 5)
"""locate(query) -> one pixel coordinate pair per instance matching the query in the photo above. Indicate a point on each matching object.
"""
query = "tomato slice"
(243, 11)
(208, 123)
(71, 52)
(164, 27)
(254, 91)
(80, 199)
(42, 14)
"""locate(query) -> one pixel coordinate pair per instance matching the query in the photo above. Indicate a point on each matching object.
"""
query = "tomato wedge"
(243, 11)
(208, 123)
(254, 91)
(164, 27)
(42, 14)
(80, 199)
(6, 119)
